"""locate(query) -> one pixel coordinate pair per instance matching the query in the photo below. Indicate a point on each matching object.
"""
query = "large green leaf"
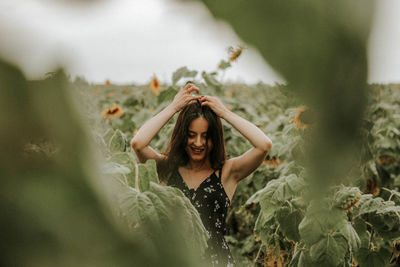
(330, 250)
(318, 221)
(163, 212)
(369, 258)
(147, 174)
(137, 208)
(187, 218)
(182, 72)
(126, 159)
(114, 168)
(211, 81)
(117, 142)
(289, 222)
(280, 190)
(348, 232)
(166, 95)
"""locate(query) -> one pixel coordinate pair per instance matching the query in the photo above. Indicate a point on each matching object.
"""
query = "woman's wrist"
(172, 109)
(226, 114)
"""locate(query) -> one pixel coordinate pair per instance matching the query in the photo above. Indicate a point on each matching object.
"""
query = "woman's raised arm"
(241, 166)
(140, 142)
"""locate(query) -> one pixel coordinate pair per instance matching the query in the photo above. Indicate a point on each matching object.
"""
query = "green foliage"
(224, 65)
(211, 81)
(55, 209)
(182, 72)
(116, 141)
(167, 95)
(147, 174)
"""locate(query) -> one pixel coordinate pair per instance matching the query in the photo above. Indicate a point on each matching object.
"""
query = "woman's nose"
(197, 142)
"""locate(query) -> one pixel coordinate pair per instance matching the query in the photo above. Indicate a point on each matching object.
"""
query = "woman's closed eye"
(193, 135)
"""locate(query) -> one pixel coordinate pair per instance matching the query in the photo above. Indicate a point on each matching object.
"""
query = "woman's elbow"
(268, 146)
(135, 145)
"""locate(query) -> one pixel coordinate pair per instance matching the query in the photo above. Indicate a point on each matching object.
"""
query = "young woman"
(195, 160)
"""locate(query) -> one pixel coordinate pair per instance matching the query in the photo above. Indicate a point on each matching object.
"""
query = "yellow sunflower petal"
(114, 111)
(155, 86)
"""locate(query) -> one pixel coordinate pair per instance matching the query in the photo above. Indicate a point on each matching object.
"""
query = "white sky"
(129, 41)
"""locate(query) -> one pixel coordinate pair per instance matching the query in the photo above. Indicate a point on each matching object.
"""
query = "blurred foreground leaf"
(51, 213)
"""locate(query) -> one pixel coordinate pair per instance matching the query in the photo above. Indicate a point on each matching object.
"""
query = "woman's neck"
(198, 166)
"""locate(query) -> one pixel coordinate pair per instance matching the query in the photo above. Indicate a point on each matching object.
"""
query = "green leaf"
(280, 190)
(163, 213)
(115, 168)
(360, 227)
(211, 81)
(147, 174)
(306, 261)
(261, 226)
(248, 245)
(181, 73)
(152, 171)
(369, 204)
(126, 159)
(166, 95)
(224, 65)
(320, 220)
(330, 250)
(107, 135)
(144, 181)
(117, 142)
(137, 208)
(289, 222)
(185, 216)
(369, 258)
(351, 236)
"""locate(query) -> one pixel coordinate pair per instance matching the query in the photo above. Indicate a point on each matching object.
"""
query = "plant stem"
(258, 255)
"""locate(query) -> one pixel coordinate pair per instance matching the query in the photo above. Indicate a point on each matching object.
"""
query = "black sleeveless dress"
(212, 203)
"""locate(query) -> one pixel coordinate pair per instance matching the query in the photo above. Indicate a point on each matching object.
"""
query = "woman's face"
(198, 147)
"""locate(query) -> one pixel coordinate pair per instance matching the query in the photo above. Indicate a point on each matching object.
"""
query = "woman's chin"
(197, 158)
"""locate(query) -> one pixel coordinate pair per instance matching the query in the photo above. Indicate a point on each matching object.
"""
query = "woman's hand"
(215, 104)
(184, 96)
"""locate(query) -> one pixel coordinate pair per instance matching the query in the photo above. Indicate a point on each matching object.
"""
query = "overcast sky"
(129, 41)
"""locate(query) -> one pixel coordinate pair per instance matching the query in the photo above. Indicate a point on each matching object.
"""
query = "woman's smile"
(197, 150)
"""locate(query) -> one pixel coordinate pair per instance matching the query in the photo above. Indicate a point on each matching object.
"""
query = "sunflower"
(112, 112)
(110, 94)
(155, 86)
(272, 162)
(107, 83)
(297, 118)
(373, 188)
(386, 160)
(126, 91)
(235, 53)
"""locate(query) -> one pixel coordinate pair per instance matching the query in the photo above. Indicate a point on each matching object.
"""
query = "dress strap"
(220, 170)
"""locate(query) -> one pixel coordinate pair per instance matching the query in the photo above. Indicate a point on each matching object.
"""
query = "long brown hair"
(176, 153)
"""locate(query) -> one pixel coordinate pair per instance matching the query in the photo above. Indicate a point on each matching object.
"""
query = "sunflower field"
(272, 220)
(73, 193)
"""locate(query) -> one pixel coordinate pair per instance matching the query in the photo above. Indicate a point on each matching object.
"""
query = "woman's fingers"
(193, 88)
(189, 88)
(194, 97)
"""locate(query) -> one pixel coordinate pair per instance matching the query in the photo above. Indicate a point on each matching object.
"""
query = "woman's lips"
(197, 150)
